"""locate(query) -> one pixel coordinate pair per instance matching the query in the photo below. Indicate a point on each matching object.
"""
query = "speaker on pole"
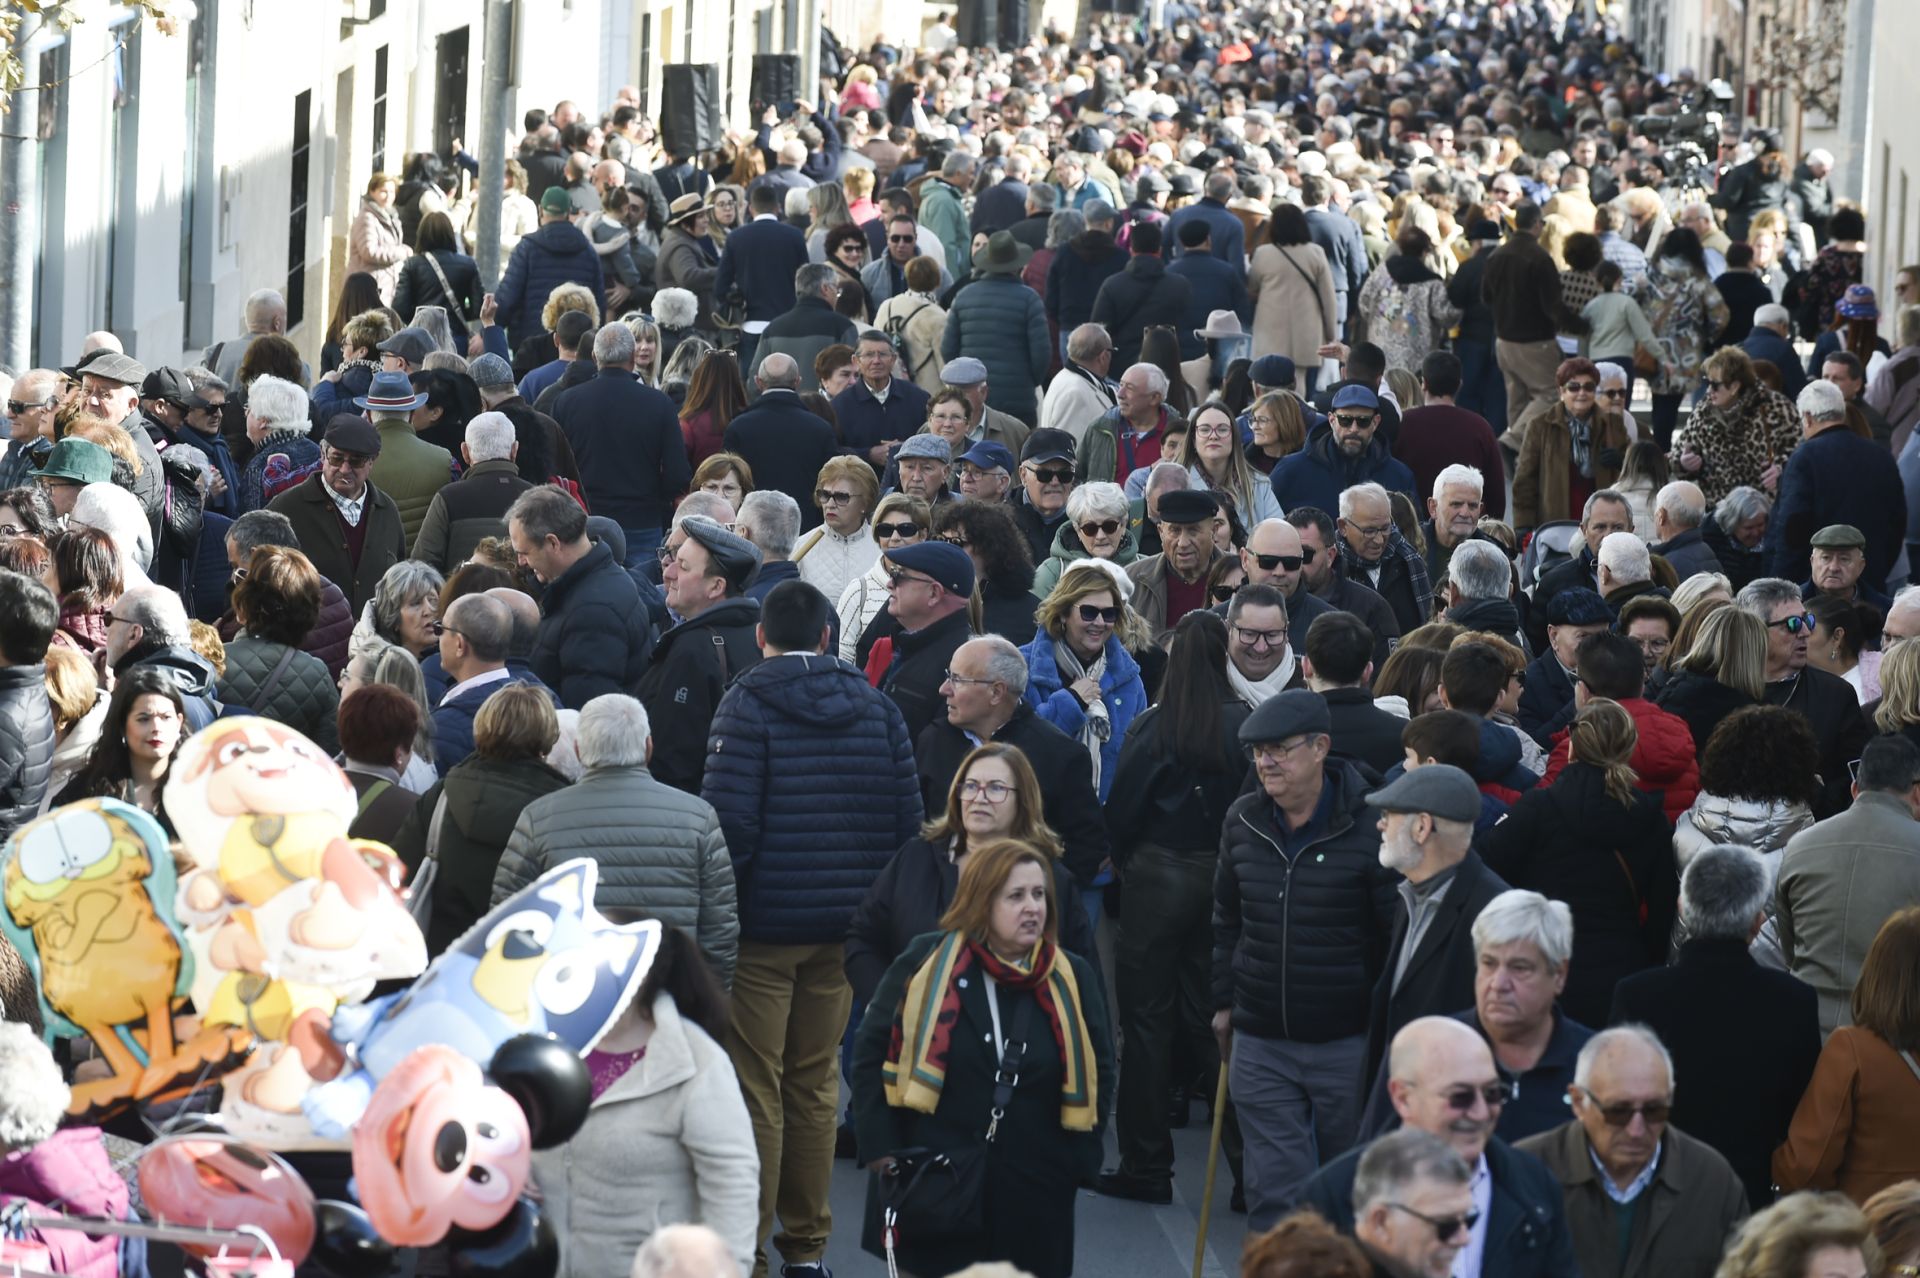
(690, 115)
(776, 82)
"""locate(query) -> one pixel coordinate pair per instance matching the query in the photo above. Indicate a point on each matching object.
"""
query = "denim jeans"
(642, 544)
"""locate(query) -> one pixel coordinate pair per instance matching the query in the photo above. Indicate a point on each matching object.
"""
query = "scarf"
(1097, 726)
(1581, 434)
(916, 1064)
(1257, 694)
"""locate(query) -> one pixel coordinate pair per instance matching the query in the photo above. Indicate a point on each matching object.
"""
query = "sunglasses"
(1100, 528)
(1618, 392)
(1713, 384)
(1062, 475)
(441, 628)
(1460, 1099)
(1620, 1113)
(956, 539)
(907, 529)
(1580, 388)
(1803, 623)
(1222, 593)
(16, 407)
(1091, 614)
(825, 498)
(1352, 422)
(903, 239)
(1290, 562)
(1445, 1228)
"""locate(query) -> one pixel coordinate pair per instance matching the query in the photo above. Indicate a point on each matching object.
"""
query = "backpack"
(896, 331)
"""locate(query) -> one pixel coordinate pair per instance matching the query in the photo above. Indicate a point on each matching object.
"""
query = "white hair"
(703, 505)
(33, 1095)
(1005, 663)
(262, 306)
(1611, 374)
(1820, 155)
(1518, 915)
(1480, 570)
(1459, 476)
(1821, 400)
(675, 308)
(684, 1251)
(1351, 497)
(1591, 1049)
(490, 437)
(613, 346)
(775, 519)
(157, 611)
(1626, 557)
(1156, 378)
(1771, 315)
(117, 513)
(1168, 477)
(1684, 503)
(613, 732)
(564, 758)
(1098, 499)
(278, 402)
(1698, 587)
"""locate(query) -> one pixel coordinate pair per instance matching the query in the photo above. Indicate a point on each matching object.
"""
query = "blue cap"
(1272, 370)
(943, 561)
(1578, 606)
(1356, 397)
(988, 455)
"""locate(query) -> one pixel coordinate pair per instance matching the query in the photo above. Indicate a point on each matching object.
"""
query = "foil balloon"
(89, 891)
(543, 961)
(288, 916)
(523, 1245)
(438, 1147)
(346, 1245)
(218, 1182)
(549, 1082)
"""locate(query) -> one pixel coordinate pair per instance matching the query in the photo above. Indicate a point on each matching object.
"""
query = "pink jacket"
(70, 1172)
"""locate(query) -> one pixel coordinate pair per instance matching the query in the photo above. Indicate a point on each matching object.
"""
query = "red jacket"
(1663, 758)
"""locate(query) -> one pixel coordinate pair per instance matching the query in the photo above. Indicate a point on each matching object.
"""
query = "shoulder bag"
(420, 891)
(1319, 304)
(454, 308)
(264, 693)
(932, 1196)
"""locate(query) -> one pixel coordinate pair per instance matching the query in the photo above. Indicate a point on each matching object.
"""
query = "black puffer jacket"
(1136, 298)
(692, 667)
(595, 633)
(304, 697)
(1299, 944)
(26, 745)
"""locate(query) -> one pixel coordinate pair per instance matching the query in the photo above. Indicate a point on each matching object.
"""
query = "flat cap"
(944, 562)
(1272, 370)
(411, 344)
(112, 366)
(927, 445)
(351, 433)
(965, 371)
(1292, 713)
(1839, 537)
(1578, 607)
(1188, 506)
(1439, 789)
(733, 555)
(490, 372)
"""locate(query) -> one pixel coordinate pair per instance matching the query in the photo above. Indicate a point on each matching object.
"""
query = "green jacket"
(464, 512)
(1068, 550)
(943, 211)
(411, 471)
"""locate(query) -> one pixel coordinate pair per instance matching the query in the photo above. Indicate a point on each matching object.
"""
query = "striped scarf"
(916, 1065)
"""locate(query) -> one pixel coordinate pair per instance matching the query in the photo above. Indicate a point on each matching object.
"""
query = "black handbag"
(935, 1196)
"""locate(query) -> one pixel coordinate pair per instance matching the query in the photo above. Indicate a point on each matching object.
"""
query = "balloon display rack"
(254, 1254)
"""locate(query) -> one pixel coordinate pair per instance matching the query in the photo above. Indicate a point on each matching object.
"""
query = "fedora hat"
(1221, 324)
(390, 393)
(1001, 255)
(685, 207)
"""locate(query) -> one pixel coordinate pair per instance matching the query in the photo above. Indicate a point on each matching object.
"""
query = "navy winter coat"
(1224, 229)
(759, 261)
(1318, 473)
(453, 720)
(558, 253)
(865, 421)
(595, 635)
(632, 452)
(1837, 477)
(1141, 296)
(1001, 322)
(1214, 286)
(812, 773)
(1075, 275)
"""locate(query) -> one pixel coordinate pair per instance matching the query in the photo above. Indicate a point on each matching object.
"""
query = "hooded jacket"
(1663, 758)
(189, 672)
(71, 1172)
(1319, 473)
(812, 773)
(1141, 295)
(558, 253)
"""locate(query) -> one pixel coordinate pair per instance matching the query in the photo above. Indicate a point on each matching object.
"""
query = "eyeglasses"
(960, 678)
(1091, 614)
(991, 791)
(1445, 1228)
(1214, 432)
(824, 498)
(1221, 593)
(665, 554)
(907, 529)
(1620, 1113)
(1580, 388)
(1290, 562)
(1370, 533)
(1100, 528)
(1795, 625)
(1353, 422)
(125, 621)
(956, 539)
(237, 575)
(1654, 646)
(1261, 638)
(1053, 475)
(1273, 751)
(900, 577)
(442, 628)
(16, 407)
(1461, 1099)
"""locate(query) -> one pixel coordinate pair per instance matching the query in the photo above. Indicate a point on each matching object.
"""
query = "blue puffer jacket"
(812, 773)
(1120, 686)
(453, 719)
(1000, 322)
(558, 253)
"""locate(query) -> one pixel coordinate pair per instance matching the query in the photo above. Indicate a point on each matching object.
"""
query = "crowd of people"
(1319, 543)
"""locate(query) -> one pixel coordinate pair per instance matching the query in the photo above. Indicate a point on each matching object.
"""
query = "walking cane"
(1213, 1166)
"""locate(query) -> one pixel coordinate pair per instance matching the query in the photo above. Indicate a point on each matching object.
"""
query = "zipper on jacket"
(1286, 913)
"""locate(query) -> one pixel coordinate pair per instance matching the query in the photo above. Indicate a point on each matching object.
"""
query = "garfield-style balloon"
(438, 1147)
(287, 915)
(89, 892)
(218, 1182)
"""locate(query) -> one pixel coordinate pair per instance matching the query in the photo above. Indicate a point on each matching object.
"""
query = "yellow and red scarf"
(916, 1066)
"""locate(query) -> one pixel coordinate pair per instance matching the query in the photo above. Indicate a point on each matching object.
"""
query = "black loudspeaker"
(776, 82)
(691, 119)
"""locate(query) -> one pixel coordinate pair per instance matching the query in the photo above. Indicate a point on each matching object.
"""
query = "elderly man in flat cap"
(1291, 1002)
(705, 583)
(349, 529)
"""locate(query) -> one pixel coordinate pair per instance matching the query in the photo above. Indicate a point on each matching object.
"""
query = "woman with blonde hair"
(1021, 1007)
(1803, 1236)
(841, 546)
(826, 209)
(1592, 840)
(1894, 1214)
(1081, 673)
(1900, 691)
(79, 706)
(1717, 669)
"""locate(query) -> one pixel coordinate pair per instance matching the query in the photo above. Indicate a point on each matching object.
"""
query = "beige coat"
(1293, 303)
(374, 246)
(925, 323)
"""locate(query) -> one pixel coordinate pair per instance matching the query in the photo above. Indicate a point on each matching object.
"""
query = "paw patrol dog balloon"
(89, 904)
(543, 961)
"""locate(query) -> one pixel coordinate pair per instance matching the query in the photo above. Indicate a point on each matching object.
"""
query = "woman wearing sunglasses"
(1739, 433)
(1098, 526)
(1211, 453)
(1572, 450)
(1082, 674)
(898, 521)
(842, 547)
(1594, 841)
